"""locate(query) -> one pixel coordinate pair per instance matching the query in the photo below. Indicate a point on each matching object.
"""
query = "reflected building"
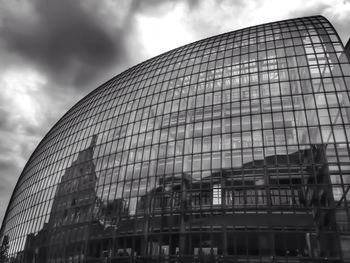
(74, 211)
(73, 217)
(234, 148)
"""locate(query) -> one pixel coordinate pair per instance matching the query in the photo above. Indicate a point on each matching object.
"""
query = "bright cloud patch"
(49, 62)
(21, 91)
(159, 34)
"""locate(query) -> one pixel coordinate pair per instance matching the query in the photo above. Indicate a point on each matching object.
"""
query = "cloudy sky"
(53, 53)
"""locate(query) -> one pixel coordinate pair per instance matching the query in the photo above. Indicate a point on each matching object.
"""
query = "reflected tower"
(74, 209)
(73, 215)
(232, 148)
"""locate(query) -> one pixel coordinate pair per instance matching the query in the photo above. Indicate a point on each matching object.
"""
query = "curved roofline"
(335, 31)
(91, 93)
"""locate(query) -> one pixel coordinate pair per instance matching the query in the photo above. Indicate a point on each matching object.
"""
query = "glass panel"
(234, 148)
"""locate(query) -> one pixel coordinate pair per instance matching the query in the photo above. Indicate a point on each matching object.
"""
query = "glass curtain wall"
(235, 147)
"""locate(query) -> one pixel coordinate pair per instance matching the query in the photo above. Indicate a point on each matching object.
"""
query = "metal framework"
(232, 148)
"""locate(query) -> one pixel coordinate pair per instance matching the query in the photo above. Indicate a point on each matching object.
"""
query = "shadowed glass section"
(234, 148)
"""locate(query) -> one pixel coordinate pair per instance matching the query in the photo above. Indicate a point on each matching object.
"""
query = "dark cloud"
(7, 165)
(74, 45)
(71, 43)
(4, 120)
(65, 40)
(78, 44)
(154, 6)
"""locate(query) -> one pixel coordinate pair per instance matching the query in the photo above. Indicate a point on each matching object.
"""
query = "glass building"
(234, 148)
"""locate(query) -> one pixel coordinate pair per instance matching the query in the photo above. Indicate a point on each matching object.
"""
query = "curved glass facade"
(233, 148)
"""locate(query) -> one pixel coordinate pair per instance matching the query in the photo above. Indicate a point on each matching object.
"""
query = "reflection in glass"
(233, 148)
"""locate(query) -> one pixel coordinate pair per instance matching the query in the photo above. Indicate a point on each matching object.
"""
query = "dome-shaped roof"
(220, 148)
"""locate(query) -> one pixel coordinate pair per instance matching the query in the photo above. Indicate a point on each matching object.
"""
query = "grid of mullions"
(201, 112)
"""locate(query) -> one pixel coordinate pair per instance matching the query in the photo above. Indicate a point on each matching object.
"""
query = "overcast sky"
(53, 53)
